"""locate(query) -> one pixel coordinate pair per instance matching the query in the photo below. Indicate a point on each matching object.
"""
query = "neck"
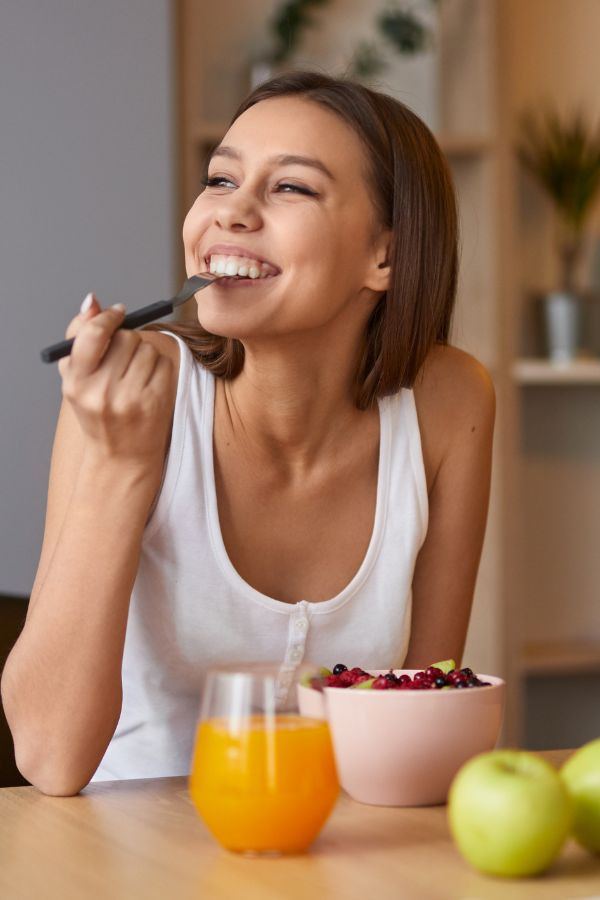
(294, 400)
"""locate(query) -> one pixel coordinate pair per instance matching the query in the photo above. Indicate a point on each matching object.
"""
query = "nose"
(238, 211)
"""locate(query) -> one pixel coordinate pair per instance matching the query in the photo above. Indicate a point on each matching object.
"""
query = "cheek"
(194, 225)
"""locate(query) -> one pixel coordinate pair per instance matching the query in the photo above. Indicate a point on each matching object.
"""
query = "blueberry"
(339, 668)
(440, 682)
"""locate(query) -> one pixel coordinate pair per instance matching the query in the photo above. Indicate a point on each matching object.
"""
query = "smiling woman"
(391, 174)
(302, 474)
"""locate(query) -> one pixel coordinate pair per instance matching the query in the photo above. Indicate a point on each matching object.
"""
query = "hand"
(119, 386)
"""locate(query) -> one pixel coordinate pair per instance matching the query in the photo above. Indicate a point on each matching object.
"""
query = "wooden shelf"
(207, 131)
(541, 371)
(466, 146)
(554, 657)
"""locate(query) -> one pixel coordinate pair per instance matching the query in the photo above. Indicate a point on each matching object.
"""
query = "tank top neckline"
(214, 527)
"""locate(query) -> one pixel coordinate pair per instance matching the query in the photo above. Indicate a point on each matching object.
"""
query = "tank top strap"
(191, 387)
(407, 450)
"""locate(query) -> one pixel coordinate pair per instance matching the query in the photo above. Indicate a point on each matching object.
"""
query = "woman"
(304, 475)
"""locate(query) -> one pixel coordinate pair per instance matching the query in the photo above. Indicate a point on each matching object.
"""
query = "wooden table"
(142, 839)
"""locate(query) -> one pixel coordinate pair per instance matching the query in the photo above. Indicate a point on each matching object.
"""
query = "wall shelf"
(209, 131)
(555, 657)
(541, 371)
(466, 146)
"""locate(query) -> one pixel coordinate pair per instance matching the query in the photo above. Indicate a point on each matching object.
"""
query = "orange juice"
(264, 784)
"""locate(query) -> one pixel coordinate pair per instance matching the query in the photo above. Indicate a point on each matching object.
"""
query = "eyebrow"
(284, 159)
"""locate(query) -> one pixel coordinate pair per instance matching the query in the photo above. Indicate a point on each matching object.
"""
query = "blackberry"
(339, 668)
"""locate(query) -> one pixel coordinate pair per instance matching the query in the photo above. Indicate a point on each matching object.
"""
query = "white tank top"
(191, 610)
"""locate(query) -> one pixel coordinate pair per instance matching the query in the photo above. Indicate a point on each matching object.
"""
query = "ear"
(378, 273)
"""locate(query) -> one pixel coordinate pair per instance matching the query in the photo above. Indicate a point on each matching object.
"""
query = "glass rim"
(258, 669)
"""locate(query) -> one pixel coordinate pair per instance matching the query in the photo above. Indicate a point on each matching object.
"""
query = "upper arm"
(67, 455)
(456, 406)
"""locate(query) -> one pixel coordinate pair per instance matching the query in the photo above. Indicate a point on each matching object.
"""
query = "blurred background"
(108, 112)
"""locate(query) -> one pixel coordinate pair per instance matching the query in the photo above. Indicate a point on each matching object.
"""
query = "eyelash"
(216, 181)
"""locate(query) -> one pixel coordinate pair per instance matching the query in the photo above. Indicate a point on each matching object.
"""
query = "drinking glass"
(263, 778)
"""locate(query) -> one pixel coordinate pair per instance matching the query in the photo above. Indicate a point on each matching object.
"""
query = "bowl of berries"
(401, 735)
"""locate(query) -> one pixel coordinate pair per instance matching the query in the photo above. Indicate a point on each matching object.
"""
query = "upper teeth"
(240, 265)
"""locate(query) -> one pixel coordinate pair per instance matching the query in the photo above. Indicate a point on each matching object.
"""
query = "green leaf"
(563, 156)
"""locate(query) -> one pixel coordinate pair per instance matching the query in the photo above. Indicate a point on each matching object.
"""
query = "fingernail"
(119, 306)
(89, 299)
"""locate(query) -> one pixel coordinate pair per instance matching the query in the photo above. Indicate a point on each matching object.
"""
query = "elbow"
(49, 778)
(52, 772)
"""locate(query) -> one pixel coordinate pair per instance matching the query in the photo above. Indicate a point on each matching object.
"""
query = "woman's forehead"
(295, 126)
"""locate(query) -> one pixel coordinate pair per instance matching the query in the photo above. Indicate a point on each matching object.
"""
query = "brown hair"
(415, 198)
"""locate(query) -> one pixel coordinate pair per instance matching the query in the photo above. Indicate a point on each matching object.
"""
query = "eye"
(217, 181)
(286, 187)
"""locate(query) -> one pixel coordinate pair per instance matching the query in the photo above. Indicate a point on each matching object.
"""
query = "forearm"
(61, 686)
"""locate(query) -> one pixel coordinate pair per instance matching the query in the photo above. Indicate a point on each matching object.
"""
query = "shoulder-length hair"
(414, 197)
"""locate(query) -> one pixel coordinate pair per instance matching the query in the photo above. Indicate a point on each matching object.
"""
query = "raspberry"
(381, 683)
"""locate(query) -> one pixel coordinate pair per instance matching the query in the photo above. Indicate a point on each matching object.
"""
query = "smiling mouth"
(239, 268)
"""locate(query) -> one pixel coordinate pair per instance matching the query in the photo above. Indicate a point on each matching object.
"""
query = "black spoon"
(141, 316)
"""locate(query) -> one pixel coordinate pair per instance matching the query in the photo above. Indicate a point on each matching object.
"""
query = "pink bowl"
(403, 748)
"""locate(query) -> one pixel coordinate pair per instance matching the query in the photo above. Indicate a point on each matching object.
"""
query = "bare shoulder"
(451, 376)
(455, 400)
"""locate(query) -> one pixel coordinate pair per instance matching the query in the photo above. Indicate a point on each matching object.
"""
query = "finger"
(93, 340)
(161, 379)
(158, 391)
(89, 308)
(122, 349)
(141, 367)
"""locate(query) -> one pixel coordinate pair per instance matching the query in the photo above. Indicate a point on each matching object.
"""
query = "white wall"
(87, 194)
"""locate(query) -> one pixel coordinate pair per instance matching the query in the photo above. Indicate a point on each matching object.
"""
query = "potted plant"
(287, 26)
(563, 156)
(402, 29)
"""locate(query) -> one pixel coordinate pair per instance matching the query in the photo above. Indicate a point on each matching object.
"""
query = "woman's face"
(287, 200)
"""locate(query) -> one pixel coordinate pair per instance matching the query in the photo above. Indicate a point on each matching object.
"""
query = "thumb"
(89, 308)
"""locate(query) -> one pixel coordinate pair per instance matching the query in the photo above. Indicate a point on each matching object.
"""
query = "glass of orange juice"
(263, 777)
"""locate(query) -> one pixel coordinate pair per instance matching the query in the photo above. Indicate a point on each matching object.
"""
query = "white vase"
(563, 324)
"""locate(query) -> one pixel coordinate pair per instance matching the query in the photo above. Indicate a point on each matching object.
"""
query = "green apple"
(509, 812)
(581, 774)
